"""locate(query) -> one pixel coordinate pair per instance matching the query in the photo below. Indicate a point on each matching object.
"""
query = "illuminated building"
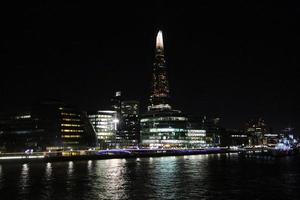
(161, 126)
(47, 125)
(163, 129)
(288, 138)
(129, 128)
(105, 124)
(160, 93)
(258, 132)
(196, 136)
(116, 102)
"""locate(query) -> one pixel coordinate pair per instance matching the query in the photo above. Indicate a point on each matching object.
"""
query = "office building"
(105, 123)
(47, 125)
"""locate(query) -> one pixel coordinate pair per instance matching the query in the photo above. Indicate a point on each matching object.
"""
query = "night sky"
(233, 59)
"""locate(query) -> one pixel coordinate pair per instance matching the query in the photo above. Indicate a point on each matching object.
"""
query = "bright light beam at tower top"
(159, 40)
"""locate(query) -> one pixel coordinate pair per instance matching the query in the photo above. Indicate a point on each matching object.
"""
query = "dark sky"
(233, 59)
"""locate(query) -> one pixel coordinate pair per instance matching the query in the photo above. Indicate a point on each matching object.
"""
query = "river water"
(177, 177)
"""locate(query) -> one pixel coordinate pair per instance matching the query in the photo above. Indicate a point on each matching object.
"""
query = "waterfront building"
(258, 132)
(19, 131)
(164, 129)
(288, 136)
(105, 124)
(116, 102)
(129, 129)
(213, 130)
(128, 114)
(162, 126)
(233, 137)
(46, 125)
(196, 136)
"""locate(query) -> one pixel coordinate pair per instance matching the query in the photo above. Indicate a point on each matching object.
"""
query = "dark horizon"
(235, 60)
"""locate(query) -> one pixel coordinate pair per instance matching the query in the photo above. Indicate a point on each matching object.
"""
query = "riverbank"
(104, 154)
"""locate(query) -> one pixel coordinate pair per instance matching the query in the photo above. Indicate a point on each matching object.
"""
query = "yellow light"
(71, 130)
(72, 125)
(70, 136)
(69, 120)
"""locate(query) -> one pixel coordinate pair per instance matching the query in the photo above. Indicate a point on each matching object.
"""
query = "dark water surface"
(181, 177)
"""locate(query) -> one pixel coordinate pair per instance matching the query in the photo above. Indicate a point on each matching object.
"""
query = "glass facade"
(167, 129)
(170, 130)
(105, 125)
(129, 129)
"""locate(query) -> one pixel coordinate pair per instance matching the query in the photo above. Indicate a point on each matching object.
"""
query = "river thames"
(176, 177)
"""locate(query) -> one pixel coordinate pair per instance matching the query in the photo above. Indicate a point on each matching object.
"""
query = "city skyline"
(86, 71)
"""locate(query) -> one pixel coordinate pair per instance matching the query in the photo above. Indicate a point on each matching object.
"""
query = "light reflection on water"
(70, 168)
(183, 177)
(1, 177)
(24, 178)
(48, 172)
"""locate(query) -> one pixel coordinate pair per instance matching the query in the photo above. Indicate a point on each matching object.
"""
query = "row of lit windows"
(23, 117)
(239, 136)
(196, 134)
(71, 143)
(72, 125)
(105, 133)
(108, 126)
(69, 114)
(70, 136)
(70, 120)
(101, 120)
(106, 122)
(164, 119)
(100, 116)
(166, 130)
(70, 130)
(164, 141)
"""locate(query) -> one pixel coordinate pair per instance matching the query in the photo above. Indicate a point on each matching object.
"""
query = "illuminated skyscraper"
(128, 129)
(162, 126)
(159, 98)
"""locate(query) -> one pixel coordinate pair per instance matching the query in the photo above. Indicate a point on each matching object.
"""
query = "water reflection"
(182, 177)
(24, 178)
(111, 172)
(0, 176)
(90, 165)
(70, 168)
(48, 172)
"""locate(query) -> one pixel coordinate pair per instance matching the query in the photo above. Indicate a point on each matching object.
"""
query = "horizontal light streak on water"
(20, 157)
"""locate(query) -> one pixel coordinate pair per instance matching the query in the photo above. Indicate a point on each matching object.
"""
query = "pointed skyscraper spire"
(159, 98)
(159, 40)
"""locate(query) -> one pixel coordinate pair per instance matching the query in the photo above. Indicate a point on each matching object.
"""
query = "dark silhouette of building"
(233, 137)
(46, 125)
(213, 130)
